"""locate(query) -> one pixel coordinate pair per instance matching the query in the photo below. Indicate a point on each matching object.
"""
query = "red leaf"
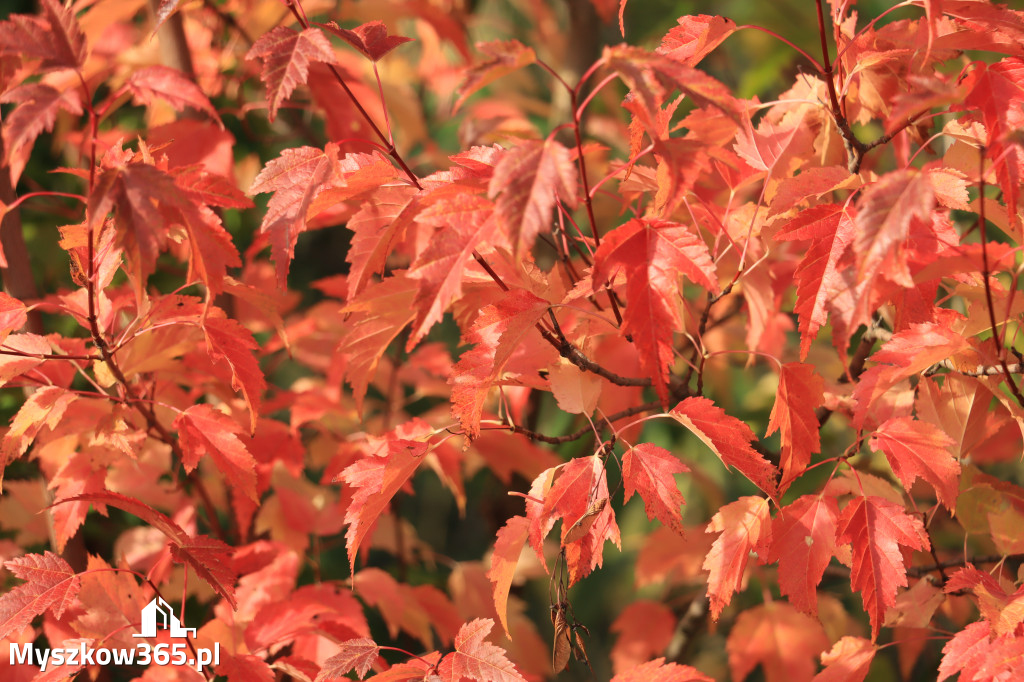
(211, 560)
(296, 178)
(52, 584)
(799, 394)
(505, 57)
(358, 654)
(16, 364)
(286, 54)
(652, 254)
(830, 229)
(728, 437)
(206, 431)
(876, 527)
(803, 540)
(527, 181)
(170, 85)
(500, 330)
(694, 37)
(228, 340)
(245, 668)
(13, 315)
(376, 480)
(507, 548)
(658, 670)
(377, 317)
(847, 661)
(979, 657)
(371, 38)
(209, 557)
(478, 659)
(580, 484)
(885, 210)
(457, 225)
(378, 226)
(915, 448)
(744, 527)
(38, 106)
(56, 40)
(648, 470)
(782, 640)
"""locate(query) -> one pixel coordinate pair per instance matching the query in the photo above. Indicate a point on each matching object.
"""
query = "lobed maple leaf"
(782, 640)
(979, 657)
(44, 408)
(286, 55)
(649, 470)
(209, 557)
(694, 37)
(371, 38)
(377, 316)
(57, 41)
(377, 479)
(499, 331)
(508, 546)
(744, 527)
(920, 449)
(728, 438)
(296, 178)
(797, 397)
(37, 107)
(504, 58)
(830, 229)
(355, 654)
(159, 82)
(476, 658)
(229, 341)
(52, 584)
(652, 254)
(458, 224)
(580, 485)
(204, 430)
(885, 211)
(876, 527)
(803, 540)
(527, 182)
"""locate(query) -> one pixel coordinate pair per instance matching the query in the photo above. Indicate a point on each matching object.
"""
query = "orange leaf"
(507, 548)
(785, 642)
(228, 340)
(744, 527)
(658, 670)
(847, 661)
(644, 629)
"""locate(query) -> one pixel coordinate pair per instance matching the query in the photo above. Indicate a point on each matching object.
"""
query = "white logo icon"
(158, 608)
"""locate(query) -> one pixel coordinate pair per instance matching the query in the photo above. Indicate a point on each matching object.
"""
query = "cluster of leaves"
(658, 241)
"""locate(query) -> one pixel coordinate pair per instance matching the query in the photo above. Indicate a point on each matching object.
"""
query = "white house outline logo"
(167, 618)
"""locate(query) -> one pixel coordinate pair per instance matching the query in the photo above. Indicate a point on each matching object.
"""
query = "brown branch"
(692, 621)
(854, 148)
